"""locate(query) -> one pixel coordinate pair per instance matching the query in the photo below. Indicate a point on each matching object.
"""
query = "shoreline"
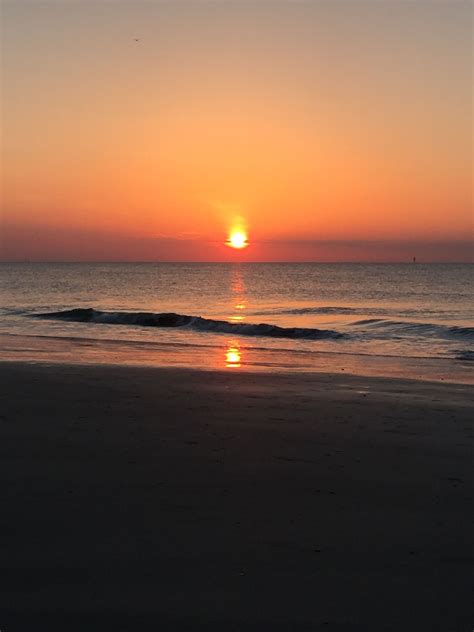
(174, 355)
(180, 499)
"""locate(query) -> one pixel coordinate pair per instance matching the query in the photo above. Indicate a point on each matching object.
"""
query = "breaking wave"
(351, 311)
(151, 319)
(407, 328)
(465, 354)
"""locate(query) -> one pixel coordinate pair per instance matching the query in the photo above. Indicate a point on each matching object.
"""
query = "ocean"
(403, 319)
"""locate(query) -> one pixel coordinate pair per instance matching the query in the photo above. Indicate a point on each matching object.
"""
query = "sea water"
(277, 316)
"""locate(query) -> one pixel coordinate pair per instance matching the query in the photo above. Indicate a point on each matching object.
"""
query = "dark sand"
(167, 499)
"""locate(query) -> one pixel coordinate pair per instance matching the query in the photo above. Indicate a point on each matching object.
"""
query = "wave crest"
(151, 319)
(348, 311)
(408, 328)
(467, 355)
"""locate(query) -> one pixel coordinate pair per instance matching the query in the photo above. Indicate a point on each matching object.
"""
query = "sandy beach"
(170, 499)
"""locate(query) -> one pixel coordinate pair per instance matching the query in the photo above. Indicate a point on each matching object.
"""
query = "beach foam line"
(151, 319)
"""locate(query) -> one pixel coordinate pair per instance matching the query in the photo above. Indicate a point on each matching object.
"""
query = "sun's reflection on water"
(233, 356)
(233, 350)
(239, 301)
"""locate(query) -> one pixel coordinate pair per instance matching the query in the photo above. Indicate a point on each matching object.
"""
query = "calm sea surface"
(271, 315)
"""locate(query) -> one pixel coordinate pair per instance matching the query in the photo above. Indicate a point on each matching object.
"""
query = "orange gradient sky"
(331, 130)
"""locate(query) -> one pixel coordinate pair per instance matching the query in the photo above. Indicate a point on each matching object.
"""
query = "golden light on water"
(232, 356)
(236, 318)
(239, 298)
(237, 239)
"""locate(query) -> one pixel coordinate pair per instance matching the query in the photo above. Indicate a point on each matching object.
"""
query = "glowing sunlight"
(232, 356)
(237, 239)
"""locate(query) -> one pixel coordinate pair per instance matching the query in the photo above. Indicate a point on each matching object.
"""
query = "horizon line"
(352, 262)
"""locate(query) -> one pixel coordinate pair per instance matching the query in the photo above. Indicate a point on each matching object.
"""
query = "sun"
(237, 239)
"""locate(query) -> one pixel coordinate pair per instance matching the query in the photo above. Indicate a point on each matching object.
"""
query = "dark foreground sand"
(147, 499)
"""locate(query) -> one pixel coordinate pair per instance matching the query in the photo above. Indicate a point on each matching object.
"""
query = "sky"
(328, 130)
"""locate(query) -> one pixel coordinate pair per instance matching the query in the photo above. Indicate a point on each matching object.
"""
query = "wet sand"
(171, 499)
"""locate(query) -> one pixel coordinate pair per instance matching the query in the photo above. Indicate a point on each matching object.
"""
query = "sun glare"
(237, 239)
(232, 357)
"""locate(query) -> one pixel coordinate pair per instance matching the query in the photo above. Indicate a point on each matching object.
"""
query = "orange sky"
(332, 130)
